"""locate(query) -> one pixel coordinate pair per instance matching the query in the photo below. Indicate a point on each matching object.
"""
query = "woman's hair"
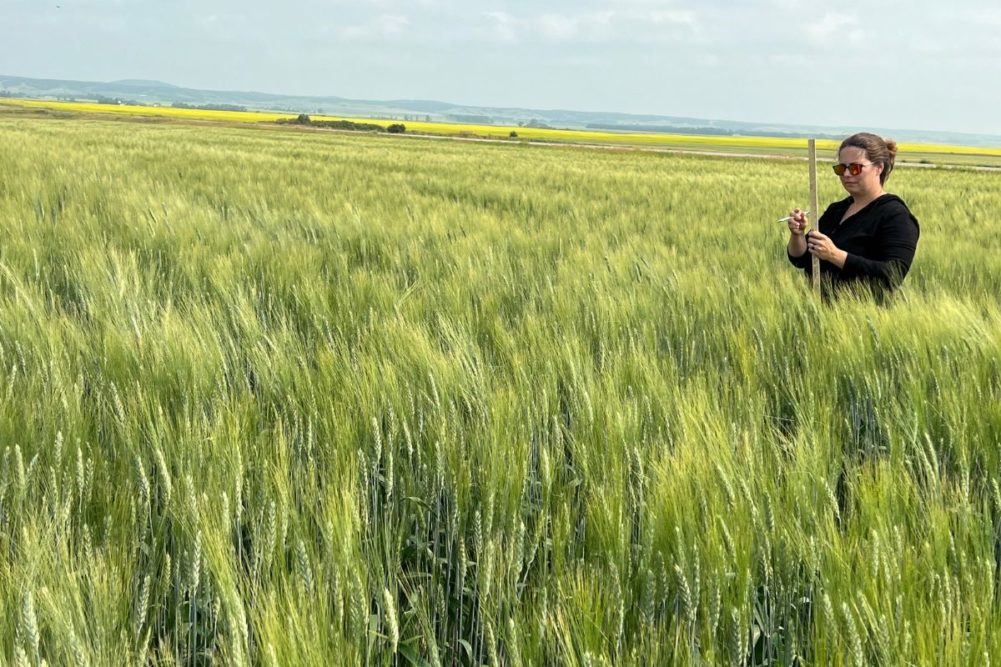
(877, 149)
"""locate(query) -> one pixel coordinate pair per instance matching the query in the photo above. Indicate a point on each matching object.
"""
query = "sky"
(891, 64)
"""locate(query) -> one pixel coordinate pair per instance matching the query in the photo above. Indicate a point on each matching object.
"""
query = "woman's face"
(867, 180)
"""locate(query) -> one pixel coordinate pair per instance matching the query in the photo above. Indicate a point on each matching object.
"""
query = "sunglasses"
(855, 168)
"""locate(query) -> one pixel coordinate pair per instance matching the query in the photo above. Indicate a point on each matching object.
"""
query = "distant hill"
(157, 92)
(143, 83)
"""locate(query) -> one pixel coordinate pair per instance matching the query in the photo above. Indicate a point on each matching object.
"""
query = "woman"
(867, 239)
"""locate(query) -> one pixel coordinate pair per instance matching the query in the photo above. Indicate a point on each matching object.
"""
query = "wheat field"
(284, 398)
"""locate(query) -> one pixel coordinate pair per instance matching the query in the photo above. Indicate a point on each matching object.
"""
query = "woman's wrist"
(796, 246)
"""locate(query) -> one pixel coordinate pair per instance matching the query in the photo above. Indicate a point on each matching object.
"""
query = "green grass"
(303, 398)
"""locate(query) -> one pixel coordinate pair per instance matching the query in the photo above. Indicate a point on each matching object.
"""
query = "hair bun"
(891, 146)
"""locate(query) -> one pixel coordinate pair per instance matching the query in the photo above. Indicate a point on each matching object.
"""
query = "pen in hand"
(789, 217)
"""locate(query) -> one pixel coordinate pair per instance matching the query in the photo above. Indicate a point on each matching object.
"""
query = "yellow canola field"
(703, 142)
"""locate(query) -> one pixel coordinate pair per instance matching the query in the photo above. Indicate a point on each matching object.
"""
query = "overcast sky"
(893, 64)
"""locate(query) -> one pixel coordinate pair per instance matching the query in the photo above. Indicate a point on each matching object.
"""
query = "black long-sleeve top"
(880, 241)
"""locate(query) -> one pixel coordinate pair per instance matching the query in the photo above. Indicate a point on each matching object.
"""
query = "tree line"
(304, 119)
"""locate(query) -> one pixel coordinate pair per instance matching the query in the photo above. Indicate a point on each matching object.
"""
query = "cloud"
(670, 25)
(675, 17)
(383, 25)
(987, 15)
(504, 26)
(832, 27)
(559, 26)
(564, 27)
(629, 24)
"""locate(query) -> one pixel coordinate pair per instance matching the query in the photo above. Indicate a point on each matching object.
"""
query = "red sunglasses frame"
(853, 168)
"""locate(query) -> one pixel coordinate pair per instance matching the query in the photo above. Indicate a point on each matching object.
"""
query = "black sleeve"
(896, 241)
(801, 262)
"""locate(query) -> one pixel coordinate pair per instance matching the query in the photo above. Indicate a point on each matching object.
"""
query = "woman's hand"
(797, 222)
(824, 248)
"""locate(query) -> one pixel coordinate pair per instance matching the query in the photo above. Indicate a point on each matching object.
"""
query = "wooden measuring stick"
(815, 207)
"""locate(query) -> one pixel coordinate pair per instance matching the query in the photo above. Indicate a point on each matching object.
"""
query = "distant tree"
(303, 119)
(396, 128)
(513, 135)
(207, 107)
